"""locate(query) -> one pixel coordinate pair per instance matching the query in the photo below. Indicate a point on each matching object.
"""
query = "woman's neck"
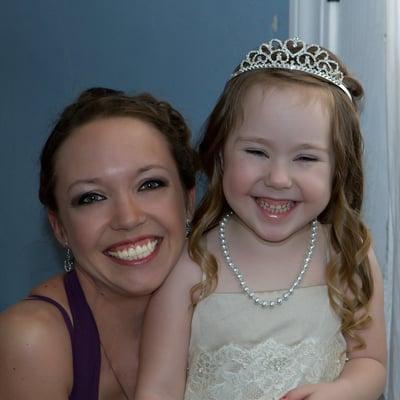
(112, 309)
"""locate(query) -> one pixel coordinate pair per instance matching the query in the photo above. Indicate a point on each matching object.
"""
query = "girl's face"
(278, 164)
(121, 205)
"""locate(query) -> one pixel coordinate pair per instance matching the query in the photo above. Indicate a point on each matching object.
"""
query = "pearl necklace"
(235, 269)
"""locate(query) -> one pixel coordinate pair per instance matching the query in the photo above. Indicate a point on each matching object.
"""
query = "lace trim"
(265, 371)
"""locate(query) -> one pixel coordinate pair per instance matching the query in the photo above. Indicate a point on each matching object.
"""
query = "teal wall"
(180, 50)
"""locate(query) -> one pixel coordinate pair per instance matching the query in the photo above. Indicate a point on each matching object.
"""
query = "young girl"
(290, 300)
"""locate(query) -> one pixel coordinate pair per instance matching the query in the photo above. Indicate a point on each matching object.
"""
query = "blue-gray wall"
(179, 50)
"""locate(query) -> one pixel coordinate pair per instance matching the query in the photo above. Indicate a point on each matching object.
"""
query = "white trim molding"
(366, 34)
(314, 21)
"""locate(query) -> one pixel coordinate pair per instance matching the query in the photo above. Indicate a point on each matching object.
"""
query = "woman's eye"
(152, 184)
(89, 198)
(257, 152)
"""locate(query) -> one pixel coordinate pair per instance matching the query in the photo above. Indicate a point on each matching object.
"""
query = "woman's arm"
(35, 353)
(166, 335)
(364, 375)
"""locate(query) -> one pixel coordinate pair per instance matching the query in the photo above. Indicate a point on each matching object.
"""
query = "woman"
(117, 179)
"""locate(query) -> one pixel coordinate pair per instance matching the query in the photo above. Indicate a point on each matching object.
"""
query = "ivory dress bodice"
(239, 351)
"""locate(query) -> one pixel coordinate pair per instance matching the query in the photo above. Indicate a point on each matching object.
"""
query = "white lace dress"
(241, 352)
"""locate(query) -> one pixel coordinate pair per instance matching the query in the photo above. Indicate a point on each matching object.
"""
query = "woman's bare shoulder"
(32, 325)
(34, 347)
(28, 315)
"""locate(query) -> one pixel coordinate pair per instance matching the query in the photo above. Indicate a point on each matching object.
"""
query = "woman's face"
(121, 205)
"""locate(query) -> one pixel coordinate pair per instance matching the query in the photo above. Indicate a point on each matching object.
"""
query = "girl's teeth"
(275, 208)
(135, 252)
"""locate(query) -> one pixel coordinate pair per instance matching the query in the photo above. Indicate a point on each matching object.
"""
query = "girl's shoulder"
(211, 240)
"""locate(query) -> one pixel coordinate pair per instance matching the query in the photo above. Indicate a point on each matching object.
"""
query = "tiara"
(295, 55)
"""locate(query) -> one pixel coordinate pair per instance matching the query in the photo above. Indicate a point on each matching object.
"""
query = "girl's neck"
(240, 231)
(267, 266)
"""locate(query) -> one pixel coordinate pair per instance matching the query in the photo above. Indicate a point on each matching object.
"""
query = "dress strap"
(86, 343)
(60, 308)
(85, 340)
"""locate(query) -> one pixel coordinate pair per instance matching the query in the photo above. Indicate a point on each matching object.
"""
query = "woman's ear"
(56, 226)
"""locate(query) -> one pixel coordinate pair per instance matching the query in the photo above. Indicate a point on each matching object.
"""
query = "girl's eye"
(306, 158)
(89, 198)
(152, 184)
(257, 152)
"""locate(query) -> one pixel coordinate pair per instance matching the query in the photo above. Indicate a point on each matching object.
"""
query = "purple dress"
(85, 340)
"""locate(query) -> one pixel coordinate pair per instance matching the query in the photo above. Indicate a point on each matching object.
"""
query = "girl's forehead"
(283, 102)
(302, 92)
(284, 114)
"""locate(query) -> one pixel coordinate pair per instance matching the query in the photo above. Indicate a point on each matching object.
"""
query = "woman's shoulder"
(31, 320)
(34, 321)
(34, 347)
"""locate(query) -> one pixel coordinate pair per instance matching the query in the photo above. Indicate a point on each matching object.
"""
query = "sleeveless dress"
(239, 351)
(85, 340)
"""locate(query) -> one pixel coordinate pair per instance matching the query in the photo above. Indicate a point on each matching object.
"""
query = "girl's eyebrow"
(312, 146)
(300, 146)
(254, 139)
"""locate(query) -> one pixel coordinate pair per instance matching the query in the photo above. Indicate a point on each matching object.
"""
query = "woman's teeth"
(135, 252)
(275, 208)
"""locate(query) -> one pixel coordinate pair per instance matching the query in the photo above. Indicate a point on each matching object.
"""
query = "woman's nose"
(278, 175)
(127, 214)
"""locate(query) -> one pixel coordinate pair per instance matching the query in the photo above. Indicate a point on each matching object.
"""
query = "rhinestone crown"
(294, 54)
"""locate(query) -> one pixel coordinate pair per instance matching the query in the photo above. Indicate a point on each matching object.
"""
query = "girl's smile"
(275, 209)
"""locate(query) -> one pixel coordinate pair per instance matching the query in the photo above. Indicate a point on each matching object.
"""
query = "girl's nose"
(278, 175)
(127, 214)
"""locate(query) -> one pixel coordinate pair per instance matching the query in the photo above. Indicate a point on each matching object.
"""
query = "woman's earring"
(68, 260)
(188, 227)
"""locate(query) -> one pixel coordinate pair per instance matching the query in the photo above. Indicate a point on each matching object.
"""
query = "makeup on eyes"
(153, 183)
(87, 198)
(93, 196)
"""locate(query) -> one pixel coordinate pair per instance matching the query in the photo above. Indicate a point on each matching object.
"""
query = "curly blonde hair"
(349, 279)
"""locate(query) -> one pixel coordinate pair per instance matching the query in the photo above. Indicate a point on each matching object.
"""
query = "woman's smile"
(135, 252)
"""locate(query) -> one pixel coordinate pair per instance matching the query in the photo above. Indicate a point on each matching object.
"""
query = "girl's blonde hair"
(349, 279)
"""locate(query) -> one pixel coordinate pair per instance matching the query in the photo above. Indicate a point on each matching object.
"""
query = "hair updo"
(98, 103)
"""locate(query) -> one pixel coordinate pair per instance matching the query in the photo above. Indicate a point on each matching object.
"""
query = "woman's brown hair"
(98, 103)
(349, 279)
